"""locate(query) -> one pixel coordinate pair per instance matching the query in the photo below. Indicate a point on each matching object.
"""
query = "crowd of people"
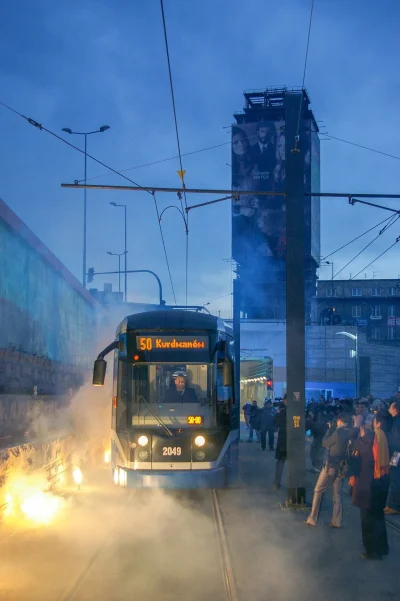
(353, 441)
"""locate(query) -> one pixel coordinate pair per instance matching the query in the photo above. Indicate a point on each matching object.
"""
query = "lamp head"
(114, 204)
(67, 130)
(104, 128)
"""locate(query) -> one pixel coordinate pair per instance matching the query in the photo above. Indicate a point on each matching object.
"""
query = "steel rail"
(226, 564)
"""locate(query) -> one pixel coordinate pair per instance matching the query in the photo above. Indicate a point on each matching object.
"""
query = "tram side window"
(224, 398)
(124, 393)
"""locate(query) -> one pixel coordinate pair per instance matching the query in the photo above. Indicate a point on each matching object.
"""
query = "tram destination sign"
(172, 343)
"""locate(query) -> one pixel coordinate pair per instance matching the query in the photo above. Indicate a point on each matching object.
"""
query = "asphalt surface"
(110, 544)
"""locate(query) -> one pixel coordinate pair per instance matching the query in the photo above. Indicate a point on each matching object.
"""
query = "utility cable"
(394, 219)
(386, 154)
(357, 238)
(304, 74)
(376, 258)
(42, 128)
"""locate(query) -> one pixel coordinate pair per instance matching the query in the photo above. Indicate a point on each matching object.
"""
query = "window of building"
(331, 291)
(391, 334)
(375, 333)
(376, 311)
(392, 291)
(376, 291)
(356, 292)
(356, 310)
(391, 312)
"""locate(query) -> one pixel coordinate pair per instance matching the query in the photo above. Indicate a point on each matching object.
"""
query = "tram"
(175, 409)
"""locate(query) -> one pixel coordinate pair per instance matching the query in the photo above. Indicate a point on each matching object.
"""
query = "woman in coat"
(370, 489)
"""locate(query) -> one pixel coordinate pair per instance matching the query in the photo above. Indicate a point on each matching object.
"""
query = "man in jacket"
(267, 425)
(335, 441)
(254, 421)
(393, 502)
(281, 443)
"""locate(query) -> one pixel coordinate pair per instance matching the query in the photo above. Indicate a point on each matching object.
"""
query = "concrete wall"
(45, 313)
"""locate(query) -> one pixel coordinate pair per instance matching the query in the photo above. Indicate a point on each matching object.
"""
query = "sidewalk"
(277, 556)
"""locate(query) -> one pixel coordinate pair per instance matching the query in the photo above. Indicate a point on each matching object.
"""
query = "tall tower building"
(259, 221)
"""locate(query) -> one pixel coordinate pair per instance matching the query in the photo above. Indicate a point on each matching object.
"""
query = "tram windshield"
(178, 394)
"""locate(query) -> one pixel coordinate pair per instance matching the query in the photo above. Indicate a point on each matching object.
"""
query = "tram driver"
(179, 392)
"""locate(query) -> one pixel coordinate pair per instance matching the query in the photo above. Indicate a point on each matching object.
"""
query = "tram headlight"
(199, 441)
(143, 455)
(143, 441)
(200, 455)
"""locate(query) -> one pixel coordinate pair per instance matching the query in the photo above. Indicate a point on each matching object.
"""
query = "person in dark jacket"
(267, 425)
(370, 489)
(317, 423)
(281, 443)
(393, 502)
(336, 441)
(254, 421)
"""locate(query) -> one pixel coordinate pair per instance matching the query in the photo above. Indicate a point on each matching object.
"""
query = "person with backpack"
(336, 441)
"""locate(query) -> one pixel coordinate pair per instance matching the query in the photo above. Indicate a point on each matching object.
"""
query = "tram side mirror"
(227, 372)
(99, 372)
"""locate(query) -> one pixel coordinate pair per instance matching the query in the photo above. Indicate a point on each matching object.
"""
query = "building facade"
(259, 220)
(47, 318)
(340, 360)
(373, 306)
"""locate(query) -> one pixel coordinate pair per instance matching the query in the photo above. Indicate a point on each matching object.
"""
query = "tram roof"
(172, 319)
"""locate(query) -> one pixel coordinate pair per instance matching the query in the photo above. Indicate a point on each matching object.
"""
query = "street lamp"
(119, 255)
(353, 354)
(114, 204)
(101, 129)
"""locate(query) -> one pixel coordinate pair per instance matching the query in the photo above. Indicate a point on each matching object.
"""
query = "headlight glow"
(143, 441)
(199, 441)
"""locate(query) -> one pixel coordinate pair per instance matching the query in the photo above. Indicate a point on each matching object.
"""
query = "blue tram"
(175, 410)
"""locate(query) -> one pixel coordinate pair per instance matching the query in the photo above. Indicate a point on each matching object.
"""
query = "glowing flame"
(107, 456)
(41, 507)
(77, 476)
(9, 510)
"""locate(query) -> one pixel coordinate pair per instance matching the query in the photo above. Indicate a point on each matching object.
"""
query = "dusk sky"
(82, 64)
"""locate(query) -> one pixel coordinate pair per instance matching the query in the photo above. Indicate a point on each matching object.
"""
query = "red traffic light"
(269, 384)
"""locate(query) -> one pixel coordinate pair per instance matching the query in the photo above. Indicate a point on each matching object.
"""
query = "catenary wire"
(185, 154)
(357, 238)
(42, 128)
(179, 148)
(304, 71)
(328, 283)
(172, 95)
(378, 257)
(386, 154)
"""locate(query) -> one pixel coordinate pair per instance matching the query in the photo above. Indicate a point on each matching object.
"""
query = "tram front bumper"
(210, 478)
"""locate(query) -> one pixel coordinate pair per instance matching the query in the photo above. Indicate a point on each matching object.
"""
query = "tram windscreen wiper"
(161, 423)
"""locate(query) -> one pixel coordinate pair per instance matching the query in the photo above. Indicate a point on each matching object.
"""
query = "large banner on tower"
(258, 164)
(258, 221)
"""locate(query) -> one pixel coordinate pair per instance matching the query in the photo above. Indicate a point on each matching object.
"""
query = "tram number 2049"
(172, 451)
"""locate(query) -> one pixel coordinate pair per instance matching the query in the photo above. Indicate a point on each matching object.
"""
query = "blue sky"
(82, 63)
